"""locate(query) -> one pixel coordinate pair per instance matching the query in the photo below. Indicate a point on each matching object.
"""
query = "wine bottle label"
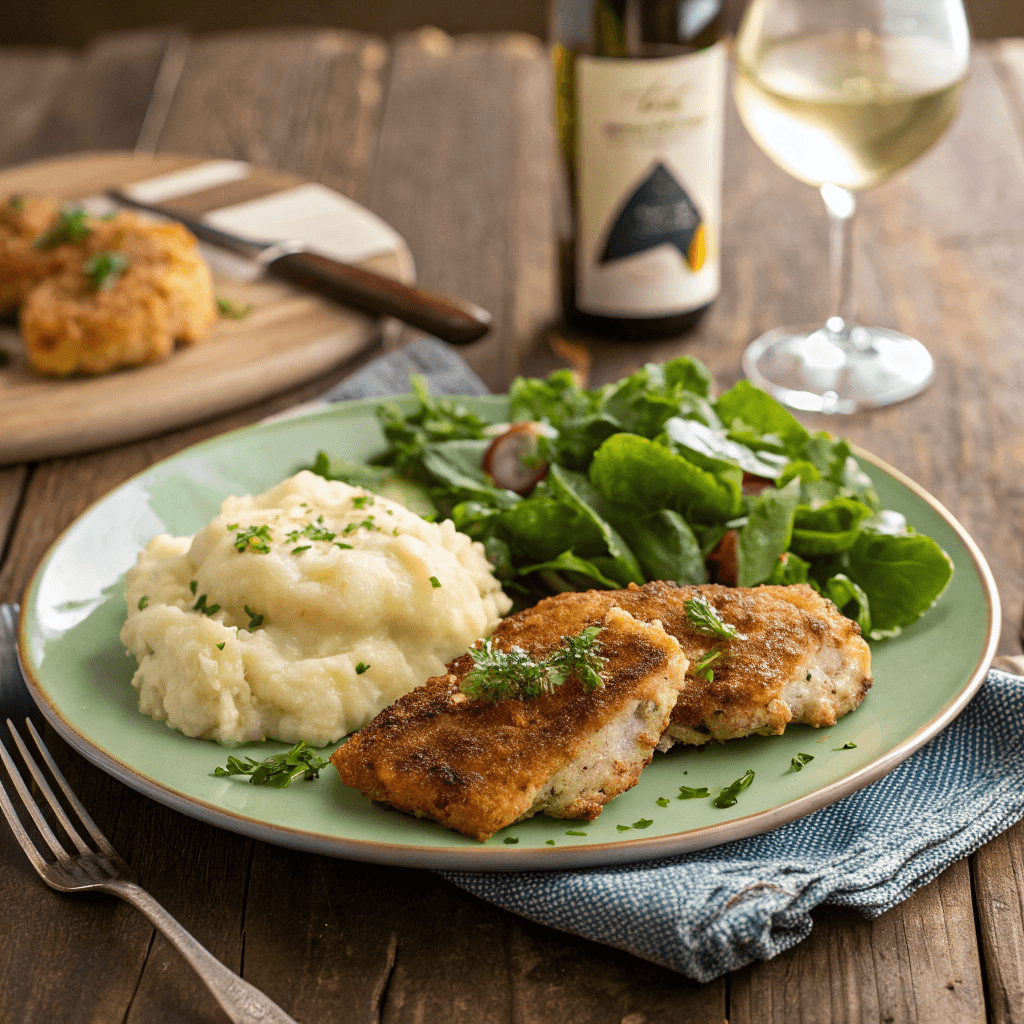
(649, 183)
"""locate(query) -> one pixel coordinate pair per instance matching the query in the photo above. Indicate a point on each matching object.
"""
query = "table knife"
(452, 320)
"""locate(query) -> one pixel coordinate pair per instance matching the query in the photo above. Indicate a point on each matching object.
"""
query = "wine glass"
(841, 94)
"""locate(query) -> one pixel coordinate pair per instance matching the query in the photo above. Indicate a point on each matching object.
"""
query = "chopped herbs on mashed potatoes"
(301, 613)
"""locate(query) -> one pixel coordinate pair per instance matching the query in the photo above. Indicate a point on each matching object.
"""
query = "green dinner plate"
(79, 675)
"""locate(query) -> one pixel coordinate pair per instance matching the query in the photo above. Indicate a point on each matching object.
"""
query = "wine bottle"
(640, 96)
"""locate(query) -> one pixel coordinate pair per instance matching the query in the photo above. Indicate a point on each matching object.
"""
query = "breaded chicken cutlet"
(24, 220)
(479, 765)
(161, 295)
(802, 661)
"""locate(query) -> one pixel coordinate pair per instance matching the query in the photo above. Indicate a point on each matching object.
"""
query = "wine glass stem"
(841, 205)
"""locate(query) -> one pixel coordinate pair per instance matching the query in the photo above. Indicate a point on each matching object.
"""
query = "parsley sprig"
(103, 269)
(498, 674)
(252, 538)
(206, 609)
(704, 618)
(727, 798)
(232, 310)
(311, 531)
(278, 770)
(704, 665)
(70, 228)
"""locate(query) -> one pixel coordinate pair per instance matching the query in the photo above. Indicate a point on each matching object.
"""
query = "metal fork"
(100, 867)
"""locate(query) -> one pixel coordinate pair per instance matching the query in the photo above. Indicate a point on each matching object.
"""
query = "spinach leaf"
(500, 556)
(645, 400)
(689, 374)
(850, 600)
(580, 571)
(476, 519)
(436, 420)
(829, 529)
(756, 409)
(574, 491)
(827, 455)
(789, 569)
(455, 467)
(664, 545)
(541, 526)
(858, 484)
(577, 439)
(887, 521)
(902, 576)
(631, 470)
(690, 437)
(766, 534)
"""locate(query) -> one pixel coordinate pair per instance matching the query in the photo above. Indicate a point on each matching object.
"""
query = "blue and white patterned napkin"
(710, 912)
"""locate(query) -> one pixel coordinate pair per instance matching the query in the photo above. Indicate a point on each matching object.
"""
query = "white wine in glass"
(841, 95)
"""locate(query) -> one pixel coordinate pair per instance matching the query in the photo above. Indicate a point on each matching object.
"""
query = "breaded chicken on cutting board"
(801, 662)
(479, 765)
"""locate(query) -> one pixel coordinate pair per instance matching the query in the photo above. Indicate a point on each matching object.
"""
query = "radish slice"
(724, 560)
(754, 485)
(511, 459)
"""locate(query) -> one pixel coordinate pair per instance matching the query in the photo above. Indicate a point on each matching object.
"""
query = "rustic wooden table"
(451, 141)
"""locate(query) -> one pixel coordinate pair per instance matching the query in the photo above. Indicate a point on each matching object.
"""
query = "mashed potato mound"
(301, 613)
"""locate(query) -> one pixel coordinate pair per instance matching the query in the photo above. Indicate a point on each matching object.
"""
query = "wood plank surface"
(102, 100)
(308, 102)
(29, 82)
(130, 974)
(935, 259)
(334, 941)
(997, 873)
(918, 962)
(465, 110)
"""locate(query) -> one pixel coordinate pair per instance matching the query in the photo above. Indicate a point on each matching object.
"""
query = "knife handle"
(450, 319)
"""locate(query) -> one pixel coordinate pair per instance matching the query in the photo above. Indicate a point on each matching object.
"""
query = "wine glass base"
(804, 368)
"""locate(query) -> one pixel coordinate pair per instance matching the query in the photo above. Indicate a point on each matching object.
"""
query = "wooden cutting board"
(289, 337)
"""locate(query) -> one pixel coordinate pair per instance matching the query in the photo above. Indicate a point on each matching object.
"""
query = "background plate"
(79, 675)
(290, 337)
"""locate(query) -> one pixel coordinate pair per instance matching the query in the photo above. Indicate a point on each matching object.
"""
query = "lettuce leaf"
(754, 408)
(828, 529)
(635, 471)
(664, 545)
(766, 534)
(692, 438)
(850, 600)
(901, 575)
(575, 492)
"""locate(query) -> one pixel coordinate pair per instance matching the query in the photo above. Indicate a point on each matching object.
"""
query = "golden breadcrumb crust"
(786, 627)
(477, 765)
(164, 296)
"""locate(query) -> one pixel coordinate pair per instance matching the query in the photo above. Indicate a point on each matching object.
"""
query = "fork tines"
(30, 804)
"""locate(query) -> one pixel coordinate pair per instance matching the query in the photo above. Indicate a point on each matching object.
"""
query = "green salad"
(652, 478)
